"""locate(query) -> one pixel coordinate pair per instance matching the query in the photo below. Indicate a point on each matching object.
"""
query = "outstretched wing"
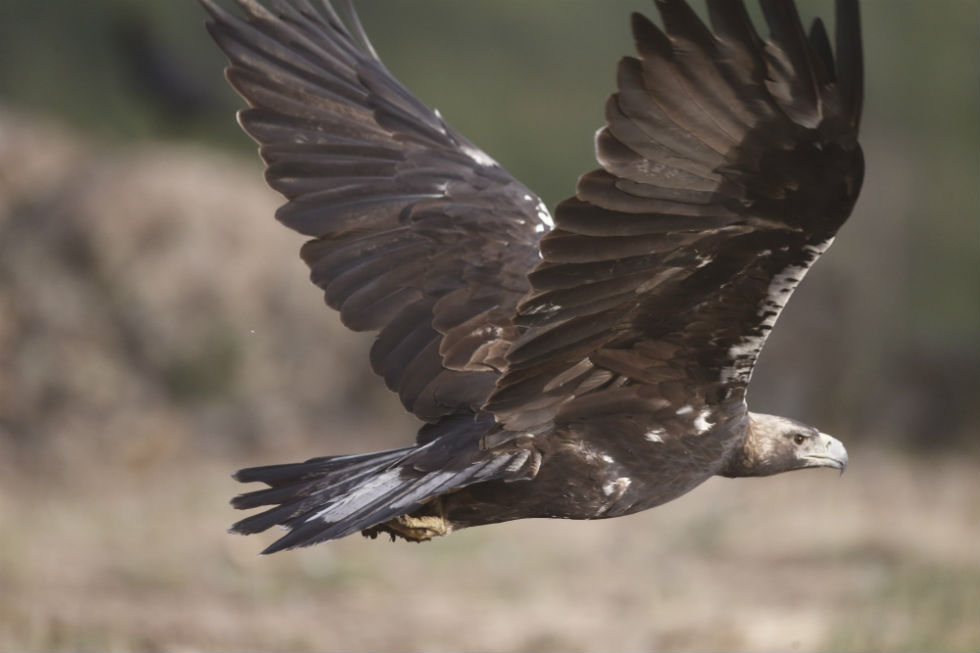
(728, 164)
(417, 234)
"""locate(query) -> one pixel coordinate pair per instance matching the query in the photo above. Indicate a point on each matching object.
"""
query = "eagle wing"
(728, 163)
(416, 233)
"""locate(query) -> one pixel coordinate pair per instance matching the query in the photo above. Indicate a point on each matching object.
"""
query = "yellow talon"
(413, 529)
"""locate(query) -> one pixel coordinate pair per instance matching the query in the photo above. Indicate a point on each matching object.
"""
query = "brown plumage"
(588, 370)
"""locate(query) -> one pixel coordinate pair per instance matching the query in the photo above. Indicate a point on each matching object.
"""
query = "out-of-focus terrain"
(157, 331)
(127, 557)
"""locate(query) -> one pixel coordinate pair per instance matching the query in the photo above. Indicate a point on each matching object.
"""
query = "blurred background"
(157, 332)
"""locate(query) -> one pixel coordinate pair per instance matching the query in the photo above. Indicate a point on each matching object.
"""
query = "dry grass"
(116, 557)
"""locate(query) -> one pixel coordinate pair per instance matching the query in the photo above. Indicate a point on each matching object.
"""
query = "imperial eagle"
(582, 368)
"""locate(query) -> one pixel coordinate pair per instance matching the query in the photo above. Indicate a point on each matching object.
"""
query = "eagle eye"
(799, 438)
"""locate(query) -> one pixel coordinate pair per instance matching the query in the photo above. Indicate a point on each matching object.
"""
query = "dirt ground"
(106, 556)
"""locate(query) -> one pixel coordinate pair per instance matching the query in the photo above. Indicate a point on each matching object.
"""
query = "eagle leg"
(411, 529)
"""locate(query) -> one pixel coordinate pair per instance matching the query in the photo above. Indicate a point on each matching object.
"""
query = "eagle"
(583, 367)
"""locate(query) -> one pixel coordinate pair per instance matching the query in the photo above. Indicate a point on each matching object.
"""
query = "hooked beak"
(830, 453)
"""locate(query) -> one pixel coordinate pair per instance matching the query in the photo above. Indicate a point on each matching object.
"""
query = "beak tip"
(835, 454)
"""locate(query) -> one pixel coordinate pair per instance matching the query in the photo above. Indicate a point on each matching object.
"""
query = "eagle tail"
(331, 497)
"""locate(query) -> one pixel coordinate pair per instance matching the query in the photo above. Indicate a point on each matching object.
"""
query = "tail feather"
(403, 498)
(329, 498)
(318, 476)
(277, 475)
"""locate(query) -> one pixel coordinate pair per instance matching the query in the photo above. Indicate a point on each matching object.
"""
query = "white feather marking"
(607, 458)
(442, 130)
(685, 410)
(703, 261)
(654, 435)
(701, 422)
(544, 216)
(744, 353)
(479, 156)
(616, 487)
(547, 307)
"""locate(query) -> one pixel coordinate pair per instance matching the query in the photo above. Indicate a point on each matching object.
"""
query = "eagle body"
(585, 366)
(583, 480)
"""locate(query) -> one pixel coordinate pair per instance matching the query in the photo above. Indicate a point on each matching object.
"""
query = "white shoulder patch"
(701, 423)
(744, 352)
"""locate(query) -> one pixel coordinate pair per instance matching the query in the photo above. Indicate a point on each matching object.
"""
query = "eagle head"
(775, 444)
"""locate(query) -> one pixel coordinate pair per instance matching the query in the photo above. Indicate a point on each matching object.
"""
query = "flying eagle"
(582, 368)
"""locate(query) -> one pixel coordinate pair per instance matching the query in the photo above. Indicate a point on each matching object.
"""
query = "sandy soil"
(121, 557)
